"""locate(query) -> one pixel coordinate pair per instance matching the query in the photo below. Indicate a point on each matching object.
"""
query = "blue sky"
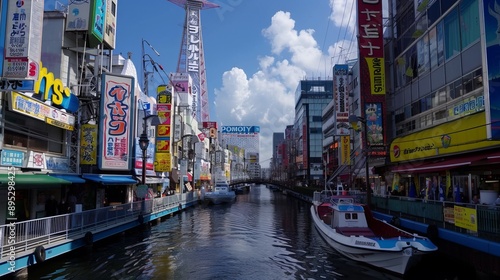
(256, 52)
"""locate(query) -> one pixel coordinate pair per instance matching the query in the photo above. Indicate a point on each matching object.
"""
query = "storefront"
(111, 189)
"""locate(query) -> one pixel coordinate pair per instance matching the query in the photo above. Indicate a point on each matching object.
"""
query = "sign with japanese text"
(345, 150)
(97, 20)
(116, 121)
(465, 217)
(12, 158)
(371, 46)
(88, 144)
(162, 161)
(374, 124)
(341, 97)
(36, 109)
(194, 54)
(23, 39)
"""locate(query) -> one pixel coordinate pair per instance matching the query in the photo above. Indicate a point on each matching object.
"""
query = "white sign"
(23, 39)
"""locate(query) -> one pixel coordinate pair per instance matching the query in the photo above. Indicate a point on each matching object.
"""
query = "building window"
(452, 34)
(469, 22)
(33, 134)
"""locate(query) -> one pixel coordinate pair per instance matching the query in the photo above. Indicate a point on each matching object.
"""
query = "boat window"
(354, 216)
(347, 216)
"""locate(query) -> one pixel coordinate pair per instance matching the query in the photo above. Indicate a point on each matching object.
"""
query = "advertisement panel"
(341, 98)
(163, 157)
(194, 56)
(79, 16)
(110, 24)
(88, 144)
(116, 122)
(23, 39)
(374, 124)
(97, 21)
(345, 150)
(371, 46)
(182, 86)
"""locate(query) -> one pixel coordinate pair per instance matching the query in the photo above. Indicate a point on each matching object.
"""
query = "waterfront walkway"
(30, 242)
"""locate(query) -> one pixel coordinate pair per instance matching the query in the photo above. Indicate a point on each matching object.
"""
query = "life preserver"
(89, 238)
(40, 254)
(140, 219)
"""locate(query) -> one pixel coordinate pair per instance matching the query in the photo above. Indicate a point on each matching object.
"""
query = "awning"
(73, 178)
(110, 179)
(445, 164)
(31, 179)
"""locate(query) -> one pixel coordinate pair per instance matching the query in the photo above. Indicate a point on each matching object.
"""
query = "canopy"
(73, 178)
(30, 179)
(110, 179)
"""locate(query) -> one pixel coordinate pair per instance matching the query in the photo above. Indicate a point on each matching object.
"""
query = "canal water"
(263, 235)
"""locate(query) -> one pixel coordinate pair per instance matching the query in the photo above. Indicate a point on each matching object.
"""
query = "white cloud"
(266, 98)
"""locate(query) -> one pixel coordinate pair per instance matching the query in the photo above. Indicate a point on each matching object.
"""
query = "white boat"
(221, 193)
(351, 229)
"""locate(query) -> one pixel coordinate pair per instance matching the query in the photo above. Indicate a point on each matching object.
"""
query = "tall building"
(311, 97)
(444, 103)
(192, 56)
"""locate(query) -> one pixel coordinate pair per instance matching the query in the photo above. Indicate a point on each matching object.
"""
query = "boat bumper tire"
(40, 254)
(89, 238)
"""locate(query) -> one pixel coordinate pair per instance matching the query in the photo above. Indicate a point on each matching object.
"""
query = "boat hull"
(397, 260)
(220, 198)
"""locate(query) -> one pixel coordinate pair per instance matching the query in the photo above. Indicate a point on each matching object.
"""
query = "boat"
(350, 228)
(221, 193)
(242, 189)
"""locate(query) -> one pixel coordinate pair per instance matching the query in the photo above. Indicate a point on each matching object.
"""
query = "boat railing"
(25, 236)
(341, 200)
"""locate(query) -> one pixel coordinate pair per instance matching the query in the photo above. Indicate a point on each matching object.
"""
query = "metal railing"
(433, 212)
(60, 229)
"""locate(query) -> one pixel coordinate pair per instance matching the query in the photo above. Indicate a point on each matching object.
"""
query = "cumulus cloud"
(266, 98)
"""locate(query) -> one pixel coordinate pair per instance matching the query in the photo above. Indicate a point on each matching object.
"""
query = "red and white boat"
(351, 229)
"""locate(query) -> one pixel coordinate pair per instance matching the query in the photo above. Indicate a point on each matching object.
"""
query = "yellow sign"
(377, 74)
(465, 217)
(345, 150)
(465, 134)
(163, 162)
(88, 144)
(59, 124)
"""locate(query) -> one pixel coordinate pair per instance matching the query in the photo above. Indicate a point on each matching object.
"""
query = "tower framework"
(192, 57)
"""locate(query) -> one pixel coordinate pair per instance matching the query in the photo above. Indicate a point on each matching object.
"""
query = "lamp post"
(353, 119)
(144, 142)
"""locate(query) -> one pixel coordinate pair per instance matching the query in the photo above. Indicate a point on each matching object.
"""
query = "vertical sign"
(116, 122)
(88, 144)
(23, 39)
(163, 162)
(345, 150)
(341, 99)
(97, 20)
(374, 124)
(371, 46)
(193, 56)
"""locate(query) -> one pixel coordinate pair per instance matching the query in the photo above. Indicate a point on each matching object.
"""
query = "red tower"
(191, 57)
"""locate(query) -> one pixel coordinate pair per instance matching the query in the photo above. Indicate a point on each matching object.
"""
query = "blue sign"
(18, 85)
(12, 158)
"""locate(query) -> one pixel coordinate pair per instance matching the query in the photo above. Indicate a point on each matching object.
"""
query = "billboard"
(182, 86)
(341, 97)
(23, 39)
(371, 47)
(78, 17)
(88, 144)
(116, 122)
(163, 159)
(110, 24)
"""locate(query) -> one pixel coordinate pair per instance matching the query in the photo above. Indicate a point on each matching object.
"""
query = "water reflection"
(263, 235)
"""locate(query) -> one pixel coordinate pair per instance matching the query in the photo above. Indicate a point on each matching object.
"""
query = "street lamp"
(144, 142)
(353, 119)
